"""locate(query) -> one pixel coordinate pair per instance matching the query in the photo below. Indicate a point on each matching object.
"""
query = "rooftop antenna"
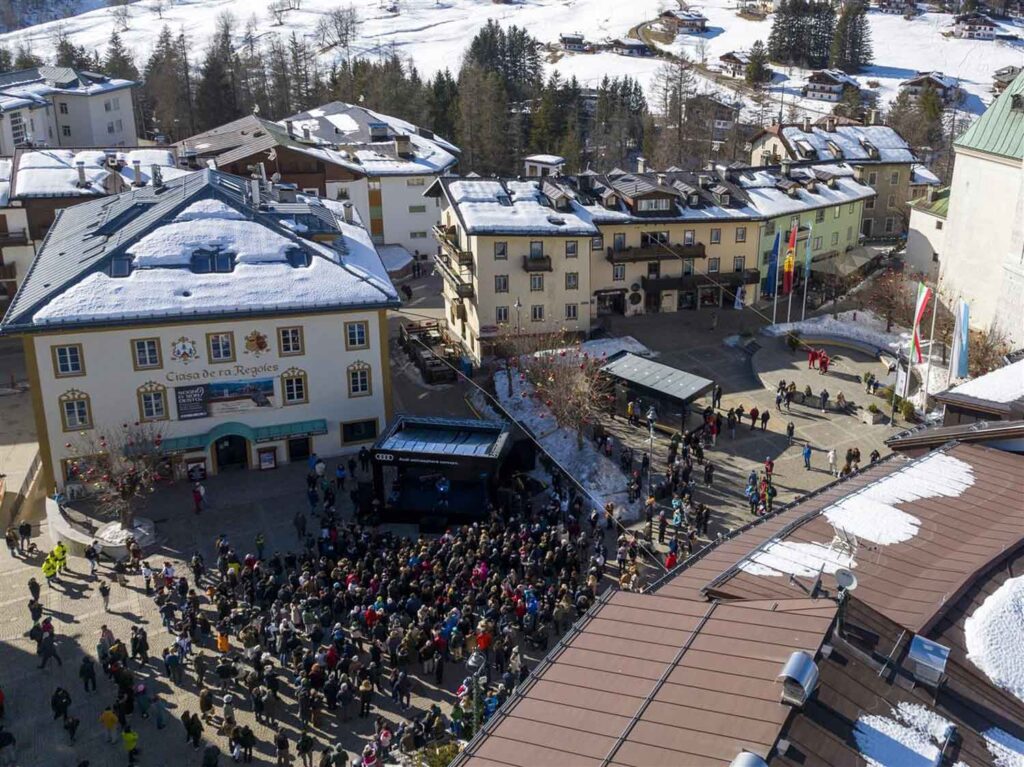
(846, 582)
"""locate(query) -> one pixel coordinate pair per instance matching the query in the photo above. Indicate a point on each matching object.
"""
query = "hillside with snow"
(434, 33)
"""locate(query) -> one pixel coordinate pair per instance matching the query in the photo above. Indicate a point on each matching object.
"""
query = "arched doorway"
(232, 452)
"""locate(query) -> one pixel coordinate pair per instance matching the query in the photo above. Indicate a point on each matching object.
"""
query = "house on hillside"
(1001, 78)
(974, 26)
(573, 41)
(946, 87)
(829, 85)
(628, 46)
(717, 114)
(687, 22)
(897, 7)
(734, 63)
(540, 165)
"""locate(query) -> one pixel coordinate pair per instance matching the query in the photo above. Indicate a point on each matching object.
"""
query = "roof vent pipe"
(786, 168)
(805, 124)
(641, 164)
(830, 124)
(157, 176)
(136, 172)
(80, 166)
(799, 678)
(347, 212)
(305, 132)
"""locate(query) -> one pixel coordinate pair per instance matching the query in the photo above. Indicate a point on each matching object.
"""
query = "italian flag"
(924, 294)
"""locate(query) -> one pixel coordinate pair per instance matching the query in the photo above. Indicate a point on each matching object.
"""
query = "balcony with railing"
(14, 237)
(8, 272)
(695, 280)
(452, 275)
(537, 263)
(655, 251)
(449, 243)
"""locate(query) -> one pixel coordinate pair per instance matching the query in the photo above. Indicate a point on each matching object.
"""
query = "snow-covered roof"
(854, 141)
(5, 181)
(54, 172)
(395, 257)
(937, 78)
(31, 87)
(919, 175)
(837, 76)
(352, 136)
(1003, 385)
(495, 206)
(546, 159)
(159, 230)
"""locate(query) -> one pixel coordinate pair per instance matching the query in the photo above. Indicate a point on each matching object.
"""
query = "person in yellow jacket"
(49, 568)
(130, 743)
(108, 720)
(60, 551)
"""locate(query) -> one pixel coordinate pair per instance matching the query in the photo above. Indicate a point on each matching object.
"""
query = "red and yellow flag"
(789, 264)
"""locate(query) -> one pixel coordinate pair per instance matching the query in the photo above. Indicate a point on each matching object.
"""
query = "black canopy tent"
(669, 390)
(439, 468)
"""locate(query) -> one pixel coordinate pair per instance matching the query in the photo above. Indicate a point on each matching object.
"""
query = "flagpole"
(775, 277)
(807, 272)
(931, 351)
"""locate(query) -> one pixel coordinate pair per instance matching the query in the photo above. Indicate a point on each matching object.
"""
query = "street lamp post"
(518, 305)
(476, 662)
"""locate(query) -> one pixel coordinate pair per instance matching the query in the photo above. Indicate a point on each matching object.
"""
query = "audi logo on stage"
(384, 457)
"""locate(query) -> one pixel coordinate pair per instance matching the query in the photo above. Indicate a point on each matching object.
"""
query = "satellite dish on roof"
(845, 579)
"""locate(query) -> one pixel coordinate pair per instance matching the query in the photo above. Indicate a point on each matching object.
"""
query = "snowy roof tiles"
(514, 207)
(55, 172)
(159, 230)
(30, 87)
(857, 143)
(1002, 386)
(936, 79)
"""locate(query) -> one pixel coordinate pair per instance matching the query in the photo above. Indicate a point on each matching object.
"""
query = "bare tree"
(986, 351)
(702, 49)
(277, 9)
(121, 14)
(569, 382)
(119, 466)
(159, 6)
(889, 297)
(338, 29)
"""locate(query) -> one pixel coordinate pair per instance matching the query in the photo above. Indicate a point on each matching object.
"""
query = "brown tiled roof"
(921, 439)
(653, 680)
(912, 582)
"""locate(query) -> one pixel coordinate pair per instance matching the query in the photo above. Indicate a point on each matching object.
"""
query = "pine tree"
(216, 95)
(6, 60)
(118, 61)
(851, 45)
(166, 90)
(929, 111)
(757, 66)
(441, 98)
(779, 37)
(483, 116)
(25, 59)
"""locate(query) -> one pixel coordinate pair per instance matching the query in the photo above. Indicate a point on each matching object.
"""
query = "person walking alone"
(832, 462)
(807, 456)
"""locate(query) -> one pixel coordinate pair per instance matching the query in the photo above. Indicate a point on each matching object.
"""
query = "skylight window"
(504, 199)
(298, 258)
(120, 267)
(206, 261)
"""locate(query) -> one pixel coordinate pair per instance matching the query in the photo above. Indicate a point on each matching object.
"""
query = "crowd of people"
(348, 625)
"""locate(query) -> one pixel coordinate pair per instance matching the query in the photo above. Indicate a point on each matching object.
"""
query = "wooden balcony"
(693, 281)
(537, 263)
(8, 272)
(14, 237)
(446, 238)
(655, 252)
(463, 287)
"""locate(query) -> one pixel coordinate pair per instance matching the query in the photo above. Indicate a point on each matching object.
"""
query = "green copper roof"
(1000, 131)
(937, 207)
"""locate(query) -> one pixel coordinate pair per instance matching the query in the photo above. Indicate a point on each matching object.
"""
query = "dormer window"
(206, 261)
(723, 199)
(694, 200)
(298, 258)
(120, 267)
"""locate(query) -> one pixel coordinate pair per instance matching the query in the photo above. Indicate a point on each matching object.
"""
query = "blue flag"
(807, 254)
(961, 340)
(773, 268)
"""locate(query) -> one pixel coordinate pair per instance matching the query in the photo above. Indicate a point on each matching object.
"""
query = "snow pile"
(1006, 750)
(860, 326)
(174, 244)
(779, 557)
(599, 476)
(993, 636)
(871, 514)
(202, 209)
(609, 347)
(912, 737)
(1005, 384)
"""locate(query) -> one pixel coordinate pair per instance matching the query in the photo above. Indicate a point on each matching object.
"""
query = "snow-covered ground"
(601, 477)
(434, 33)
(861, 326)
(911, 736)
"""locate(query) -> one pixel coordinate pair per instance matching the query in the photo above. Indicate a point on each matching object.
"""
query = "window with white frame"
(290, 341)
(816, 243)
(689, 236)
(359, 384)
(687, 267)
(146, 353)
(894, 178)
(716, 236)
(572, 311)
(152, 401)
(597, 243)
(356, 335)
(738, 263)
(500, 251)
(501, 283)
(741, 234)
(63, 108)
(618, 272)
(869, 203)
(890, 225)
(537, 312)
(819, 215)
(417, 181)
(75, 410)
(571, 248)
(501, 315)
(835, 238)
(294, 390)
(68, 361)
(572, 280)
(713, 265)
(221, 346)
(536, 282)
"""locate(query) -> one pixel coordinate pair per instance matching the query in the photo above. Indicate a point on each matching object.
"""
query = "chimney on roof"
(136, 172)
(786, 168)
(346, 211)
(191, 157)
(80, 166)
(289, 126)
(641, 164)
(799, 678)
(830, 124)
(255, 192)
(157, 176)
(873, 117)
(805, 124)
(403, 146)
(933, 194)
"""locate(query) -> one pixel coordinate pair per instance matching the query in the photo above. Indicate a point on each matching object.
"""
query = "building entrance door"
(232, 452)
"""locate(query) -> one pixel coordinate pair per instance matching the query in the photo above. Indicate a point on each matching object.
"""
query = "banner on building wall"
(223, 397)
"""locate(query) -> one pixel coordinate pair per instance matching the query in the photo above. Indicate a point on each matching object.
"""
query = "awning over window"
(253, 434)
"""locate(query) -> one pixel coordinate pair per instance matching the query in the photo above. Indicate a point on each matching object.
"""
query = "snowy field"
(434, 33)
